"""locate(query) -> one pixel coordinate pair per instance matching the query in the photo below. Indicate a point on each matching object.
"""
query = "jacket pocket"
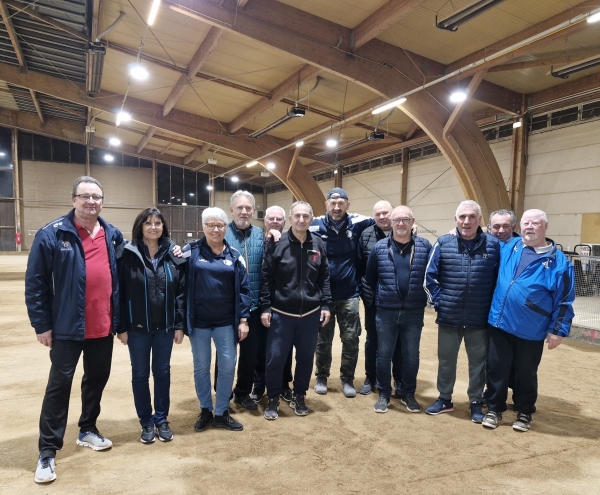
(535, 308)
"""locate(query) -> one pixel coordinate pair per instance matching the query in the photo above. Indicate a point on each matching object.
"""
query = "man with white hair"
(460, 280)
(533, 303)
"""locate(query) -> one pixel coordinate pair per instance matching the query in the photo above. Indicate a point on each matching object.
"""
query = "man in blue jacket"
(460, 281)
(340, 232)
(395, 274)
(533, 302)
(72, 316)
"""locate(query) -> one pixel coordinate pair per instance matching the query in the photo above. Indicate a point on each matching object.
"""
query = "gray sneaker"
(381, 405)
(523, 422)
(94, 440)
(321, 385)
(348, 388)
(45, 472)
(367, 387)
(272, 410)
(492, 419)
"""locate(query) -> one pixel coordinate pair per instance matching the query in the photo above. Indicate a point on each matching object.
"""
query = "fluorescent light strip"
(153, 12)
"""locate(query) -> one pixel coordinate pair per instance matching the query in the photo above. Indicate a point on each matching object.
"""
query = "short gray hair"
(275, 207)
(302, 203)
(241, 192)
(412, 215)
(469, 202)
(513, 217)
(85, 179)
(216, 213)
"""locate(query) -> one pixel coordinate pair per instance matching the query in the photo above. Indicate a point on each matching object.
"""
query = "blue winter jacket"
(242, 288)
(341, 252)
(55, 279)
(381, 275)
(540, 300)
(251, 244)
(460, 283)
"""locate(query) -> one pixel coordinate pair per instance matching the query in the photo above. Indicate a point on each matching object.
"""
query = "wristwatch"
(243, 320)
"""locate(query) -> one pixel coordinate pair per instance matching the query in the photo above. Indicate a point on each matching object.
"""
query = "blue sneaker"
(440, 406)
(476, 412)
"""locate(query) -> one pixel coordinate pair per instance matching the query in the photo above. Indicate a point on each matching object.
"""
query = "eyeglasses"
(402, 220)
(156, 225)
(213, 226)
(87, 197)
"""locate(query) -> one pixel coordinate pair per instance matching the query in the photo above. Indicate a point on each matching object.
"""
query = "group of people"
(258, 295)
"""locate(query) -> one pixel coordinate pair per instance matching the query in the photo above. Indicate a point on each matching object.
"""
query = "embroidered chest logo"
(348, 234)
(227, 262)
(546, 263)
(66, 246)
(485, 256)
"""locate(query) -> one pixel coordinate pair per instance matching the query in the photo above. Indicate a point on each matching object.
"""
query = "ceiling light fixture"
(234, 178)
(153, 12)
(471, 11)
(373, 136)
(517, 124)
(209, 187)
(123, 117)
(565, 72)
(109, 158)
(292, 113)
(390, 104)
(137, 72)
(94, 62)
(251, 164)
(299, 144)
(594, 17)
(331, 143)
(271, 166)
(2, 153)
(458, 96)
(114, 141)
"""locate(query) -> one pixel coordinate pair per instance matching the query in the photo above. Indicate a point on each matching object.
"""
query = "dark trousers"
(261, 365)
(141, 345)
(247, 355)
(406, 326)
(64, 356)
(505, 351)
(371, 349)
(285, 332)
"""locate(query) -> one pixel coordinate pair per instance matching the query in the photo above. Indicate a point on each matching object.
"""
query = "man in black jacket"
(294, 300)
(370, 236)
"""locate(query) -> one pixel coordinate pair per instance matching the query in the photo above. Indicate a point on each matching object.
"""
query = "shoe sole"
(165, 439)
(147, 441)
(301, 413)
(93, 447)
(45, 480)
(365, 392)
(490, 426)
(286, 400)
(407, 408)
(381, 411)
(439, 412)
(247, 407)
(320, 391)
(226, 427)
(476, 421)
(350, 396)
(520, 428)
(271, 418)
(201, 429)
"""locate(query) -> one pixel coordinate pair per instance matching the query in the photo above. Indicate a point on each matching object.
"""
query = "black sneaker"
(148, 435)
(523, 422)
(287, 395)
(204, 419)
(298, 405)
(163, 432)
(227, 422)
(411, 403)
(246, 402)
(257, 394)
(271, 412)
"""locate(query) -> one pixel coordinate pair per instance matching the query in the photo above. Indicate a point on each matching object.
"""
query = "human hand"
(265, 319)
(243, 330)
(177, 251)
(123, 337)
(325, 315)
(178, 337)
(553, 340)
(274, 234)
(45, 338)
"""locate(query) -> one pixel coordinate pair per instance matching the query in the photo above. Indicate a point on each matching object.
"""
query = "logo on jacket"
(140, 326)
(348, 234)
(66, 246)
(546, 263)
(485, 256)
(227, 262)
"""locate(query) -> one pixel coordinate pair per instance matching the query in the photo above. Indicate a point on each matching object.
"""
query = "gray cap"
(337, 192)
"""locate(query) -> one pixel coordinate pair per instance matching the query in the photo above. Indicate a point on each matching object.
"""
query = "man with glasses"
(382, 211)
(340, 231)
(533, 302)
(460, 280)
(395, 274)
(72, 297)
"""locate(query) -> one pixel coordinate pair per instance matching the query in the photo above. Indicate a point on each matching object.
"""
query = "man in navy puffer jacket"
(395, 273)
(460, 281)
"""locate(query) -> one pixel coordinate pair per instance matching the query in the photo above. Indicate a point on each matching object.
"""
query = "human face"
(501, 227)
(402, 223)
(533, 228)
(87, 211)
(337, 208)
(300, 219)
(274, 220)
(382, 215)
(467, 221)
(242, 212)
(152, 229)
(214, 231)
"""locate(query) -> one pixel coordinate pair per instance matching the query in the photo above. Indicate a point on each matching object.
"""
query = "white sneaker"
(94, 440)
(45, 472)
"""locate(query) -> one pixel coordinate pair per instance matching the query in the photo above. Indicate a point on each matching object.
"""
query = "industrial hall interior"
(178, 104)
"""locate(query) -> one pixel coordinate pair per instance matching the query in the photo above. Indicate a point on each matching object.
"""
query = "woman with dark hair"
(152, 283)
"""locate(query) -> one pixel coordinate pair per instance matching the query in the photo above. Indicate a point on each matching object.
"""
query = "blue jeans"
(226, 354)
(404, 325)
(140, 345)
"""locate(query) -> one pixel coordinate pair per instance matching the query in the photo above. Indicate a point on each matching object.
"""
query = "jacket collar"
(238, 232)
(68, 223)
(293, 238)
(234, 253)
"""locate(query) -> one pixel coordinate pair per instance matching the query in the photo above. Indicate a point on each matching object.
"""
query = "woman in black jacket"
(152, 284)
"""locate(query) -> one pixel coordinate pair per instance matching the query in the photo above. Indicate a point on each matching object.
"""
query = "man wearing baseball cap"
(340, 232)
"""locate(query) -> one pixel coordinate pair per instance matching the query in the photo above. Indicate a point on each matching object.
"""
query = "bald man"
(382, 211)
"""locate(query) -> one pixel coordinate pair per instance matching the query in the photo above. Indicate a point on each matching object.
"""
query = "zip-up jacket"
(459, 283)
(537, 302)
(341, 248)
(250, 243)
(295, 276)
(55, 279)
(242, 288)
(366, 242)
(381, 275)
(151, 299)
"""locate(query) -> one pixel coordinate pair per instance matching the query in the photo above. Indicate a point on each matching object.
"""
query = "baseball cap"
(337, 192)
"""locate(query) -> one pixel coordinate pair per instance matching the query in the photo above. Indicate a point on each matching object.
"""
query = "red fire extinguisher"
(18, 237)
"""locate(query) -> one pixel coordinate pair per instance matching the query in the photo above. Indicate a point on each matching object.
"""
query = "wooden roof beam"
(380, 20)
(36, 103)
(498, 97)
(545, 62)
(460, 107)
(206, 47)
(12, 34)
(196, 153)
(566, 90)
(144, 141)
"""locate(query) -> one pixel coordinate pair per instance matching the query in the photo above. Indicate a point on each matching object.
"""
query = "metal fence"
(587, 289)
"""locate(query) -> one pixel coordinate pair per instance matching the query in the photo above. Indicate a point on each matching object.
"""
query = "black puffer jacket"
(370, 236)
